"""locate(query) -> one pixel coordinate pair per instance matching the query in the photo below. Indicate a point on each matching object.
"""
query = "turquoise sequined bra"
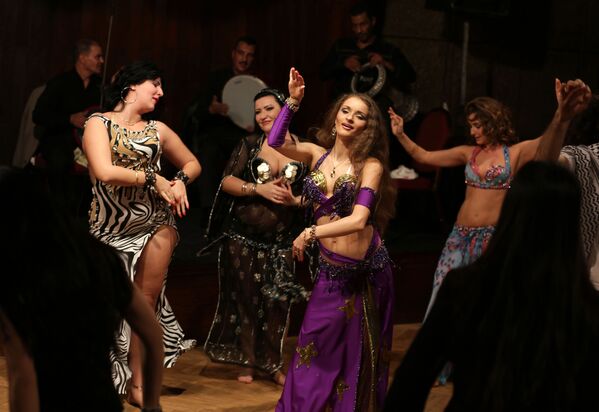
(497, 177)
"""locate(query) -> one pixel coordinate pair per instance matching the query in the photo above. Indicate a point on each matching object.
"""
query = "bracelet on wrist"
(311, 235)
(292, 103)
(136, 178)
(182, 177)
(248, 189)
(150, 178)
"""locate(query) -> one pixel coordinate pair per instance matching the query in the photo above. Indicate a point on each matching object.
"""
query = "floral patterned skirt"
(464, 245)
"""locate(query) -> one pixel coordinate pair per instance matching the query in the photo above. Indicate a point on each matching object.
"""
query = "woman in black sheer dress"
(256, 215)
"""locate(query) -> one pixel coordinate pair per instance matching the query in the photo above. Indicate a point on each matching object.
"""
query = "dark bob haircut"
(131, 74)
(279, 97)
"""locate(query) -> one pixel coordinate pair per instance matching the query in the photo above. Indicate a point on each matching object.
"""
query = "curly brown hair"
(495, 118)
(372, 142)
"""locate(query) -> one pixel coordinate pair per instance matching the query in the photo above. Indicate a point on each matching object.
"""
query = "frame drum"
(369, 79)
(372, 80)
(238, 94)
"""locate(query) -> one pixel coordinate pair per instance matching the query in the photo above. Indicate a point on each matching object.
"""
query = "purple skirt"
(342, 354)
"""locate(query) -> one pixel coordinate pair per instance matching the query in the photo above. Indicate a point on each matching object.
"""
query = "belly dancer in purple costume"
(341, 359)
(490, 165)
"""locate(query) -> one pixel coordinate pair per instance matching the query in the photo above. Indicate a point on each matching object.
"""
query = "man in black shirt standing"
(59, 116)
(209, 131)
(348, 55)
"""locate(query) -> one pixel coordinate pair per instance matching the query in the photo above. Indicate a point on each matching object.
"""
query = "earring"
(123, 97)
(334, 132)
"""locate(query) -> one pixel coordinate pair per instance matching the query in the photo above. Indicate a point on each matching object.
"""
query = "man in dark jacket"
(348, 56)
(59, 116)
(209, 131)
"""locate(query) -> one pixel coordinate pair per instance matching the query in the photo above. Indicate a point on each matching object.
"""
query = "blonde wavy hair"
(372, 142)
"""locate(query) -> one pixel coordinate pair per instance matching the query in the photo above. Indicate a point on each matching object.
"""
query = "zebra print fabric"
(585, 165)
(126, 218)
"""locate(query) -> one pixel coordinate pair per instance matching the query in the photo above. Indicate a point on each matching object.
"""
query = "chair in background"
(26, 141)
(433, 134)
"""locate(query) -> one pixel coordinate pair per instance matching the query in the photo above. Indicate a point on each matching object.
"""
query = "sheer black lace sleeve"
(223, 202)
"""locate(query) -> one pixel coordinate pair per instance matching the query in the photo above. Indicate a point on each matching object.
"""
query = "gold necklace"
(127, 122)
(332, 174)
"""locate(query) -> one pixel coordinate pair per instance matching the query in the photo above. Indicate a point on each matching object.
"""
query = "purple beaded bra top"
(344, 193)
(315, 184)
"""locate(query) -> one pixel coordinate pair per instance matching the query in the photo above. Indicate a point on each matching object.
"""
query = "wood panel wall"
(186, 38)
(514, 59)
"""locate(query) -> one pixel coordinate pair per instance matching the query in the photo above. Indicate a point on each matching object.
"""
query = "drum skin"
(238, 94)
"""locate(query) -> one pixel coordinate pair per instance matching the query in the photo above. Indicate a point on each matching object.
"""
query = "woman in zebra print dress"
(133, 206)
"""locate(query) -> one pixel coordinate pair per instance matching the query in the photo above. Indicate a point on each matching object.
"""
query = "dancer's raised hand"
(396, 122)
(573, 97)
(296, 85)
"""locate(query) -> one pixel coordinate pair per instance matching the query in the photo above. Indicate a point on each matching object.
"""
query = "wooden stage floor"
(195, 384)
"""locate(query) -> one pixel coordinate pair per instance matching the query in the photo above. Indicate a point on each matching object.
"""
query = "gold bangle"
(136, 178)
(311, 235)
(248, 188)
(292, 103)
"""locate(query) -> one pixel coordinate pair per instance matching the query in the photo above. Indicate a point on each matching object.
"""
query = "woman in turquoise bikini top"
(490, 164)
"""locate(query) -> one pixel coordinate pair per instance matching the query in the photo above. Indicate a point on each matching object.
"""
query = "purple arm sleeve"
(276, 138)
(365, 197)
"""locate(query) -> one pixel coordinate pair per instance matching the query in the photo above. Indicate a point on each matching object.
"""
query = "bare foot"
(246, 375)
(279, 378)
(135, 395)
